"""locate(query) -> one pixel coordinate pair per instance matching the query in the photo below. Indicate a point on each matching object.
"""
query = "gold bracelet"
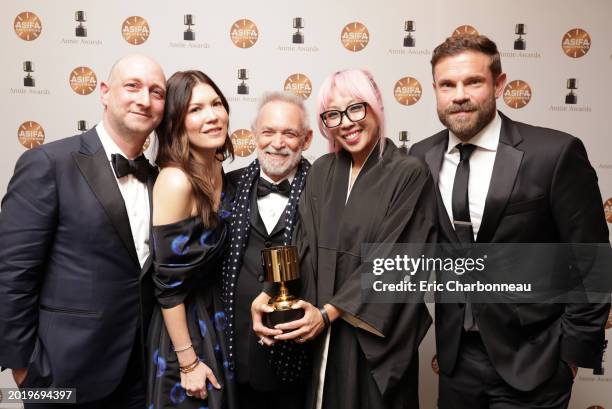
(191, 367)
(183, 348)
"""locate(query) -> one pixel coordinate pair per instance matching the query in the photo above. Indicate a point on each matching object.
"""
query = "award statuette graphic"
(189, 34)
(28, 80)
(243, 88)
(281, 265)
(403, 137)
(409, 27)
(82, 125)
(80, 30)
(520, 43)
(571, 98)
(298, 37)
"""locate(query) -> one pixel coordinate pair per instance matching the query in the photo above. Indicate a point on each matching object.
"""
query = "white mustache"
(284, 151)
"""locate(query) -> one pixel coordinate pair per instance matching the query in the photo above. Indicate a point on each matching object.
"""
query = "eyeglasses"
(354, 112)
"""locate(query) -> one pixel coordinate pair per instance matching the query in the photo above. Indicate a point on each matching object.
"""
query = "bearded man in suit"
(501, 181)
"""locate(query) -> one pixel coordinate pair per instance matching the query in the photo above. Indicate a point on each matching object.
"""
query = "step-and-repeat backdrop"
(557, 54)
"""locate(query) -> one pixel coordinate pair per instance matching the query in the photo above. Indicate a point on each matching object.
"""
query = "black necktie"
(264, 188)
(139, 167)
(461, 215)
(461, 202)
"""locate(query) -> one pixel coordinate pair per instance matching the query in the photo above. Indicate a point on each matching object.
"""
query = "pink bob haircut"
(359, 85)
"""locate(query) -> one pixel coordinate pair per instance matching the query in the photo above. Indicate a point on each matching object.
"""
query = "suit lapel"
(505, 170)
(93, 164)
(149, 261)
(434, 158)
(280, 224)
(255, 218)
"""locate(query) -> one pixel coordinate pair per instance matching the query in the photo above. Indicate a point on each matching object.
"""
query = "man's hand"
(19, 375)
(574, 369)
(304, 329)
(260, 306)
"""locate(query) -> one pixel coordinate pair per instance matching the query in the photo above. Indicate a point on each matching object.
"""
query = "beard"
(466, 128)
(279, 167)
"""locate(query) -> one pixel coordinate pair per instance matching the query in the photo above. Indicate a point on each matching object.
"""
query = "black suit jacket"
(252, 365)
(73, 297)
(542, 190)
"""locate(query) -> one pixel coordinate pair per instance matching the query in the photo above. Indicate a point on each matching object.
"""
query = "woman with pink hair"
(365, 191)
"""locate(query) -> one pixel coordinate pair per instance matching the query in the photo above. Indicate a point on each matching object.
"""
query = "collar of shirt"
(272, 206)
(109, 145)
(135, 198)
(289, 177)
(487, 138)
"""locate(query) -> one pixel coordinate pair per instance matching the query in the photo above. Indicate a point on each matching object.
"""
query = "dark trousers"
(130, 394)
(475, 384)
(288, 397)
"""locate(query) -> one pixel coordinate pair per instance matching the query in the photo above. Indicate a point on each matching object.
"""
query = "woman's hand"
(307, 327)
(19, 375)
(194, 382)
(260, 306)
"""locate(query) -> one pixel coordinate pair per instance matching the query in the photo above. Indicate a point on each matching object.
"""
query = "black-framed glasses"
(354, 112)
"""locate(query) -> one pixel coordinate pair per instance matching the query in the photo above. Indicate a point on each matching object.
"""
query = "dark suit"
(254, 375)
(542, 190)
(74, 302)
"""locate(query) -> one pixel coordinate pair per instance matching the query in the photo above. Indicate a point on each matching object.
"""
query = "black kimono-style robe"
(392, 201)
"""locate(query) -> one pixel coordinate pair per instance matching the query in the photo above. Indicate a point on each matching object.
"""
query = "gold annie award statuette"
(281, 265)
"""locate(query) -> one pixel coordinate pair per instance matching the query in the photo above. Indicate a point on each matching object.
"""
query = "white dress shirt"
(135, 196)
(271, 206)
(481, 169)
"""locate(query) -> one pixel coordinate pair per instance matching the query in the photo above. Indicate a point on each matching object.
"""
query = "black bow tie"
(264, 188)
(139, 167)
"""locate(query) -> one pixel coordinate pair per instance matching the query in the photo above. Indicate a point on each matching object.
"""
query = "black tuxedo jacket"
(252, 365)
(542, 190)
(73, 297)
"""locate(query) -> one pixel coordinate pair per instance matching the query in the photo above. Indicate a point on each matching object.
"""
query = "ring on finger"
(261, 341)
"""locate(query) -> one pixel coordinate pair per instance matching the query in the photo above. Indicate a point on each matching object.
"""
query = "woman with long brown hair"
(190, 202)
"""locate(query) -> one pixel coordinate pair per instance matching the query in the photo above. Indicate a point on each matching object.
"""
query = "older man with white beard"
(267, 189)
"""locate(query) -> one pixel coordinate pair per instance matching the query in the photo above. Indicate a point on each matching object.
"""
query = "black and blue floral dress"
(188, 270)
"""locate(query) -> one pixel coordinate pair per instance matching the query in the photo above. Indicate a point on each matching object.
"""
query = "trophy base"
(409, 42)
(80, 32)
(298, 39)
(243, 90)
(520, 44)
(189, 35)
(28, 82)
(571, 99)
(271, 319)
